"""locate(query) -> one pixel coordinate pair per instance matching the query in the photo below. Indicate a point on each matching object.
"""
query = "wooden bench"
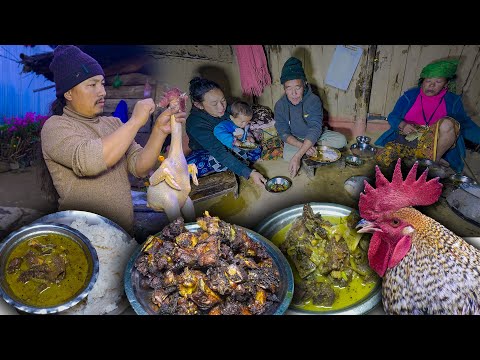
(209, 186)
(213, 185)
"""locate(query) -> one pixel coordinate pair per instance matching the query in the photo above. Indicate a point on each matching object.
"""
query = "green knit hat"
(442, 68)
(292, 70)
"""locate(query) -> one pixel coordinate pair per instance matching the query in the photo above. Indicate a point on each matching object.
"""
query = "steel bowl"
(458, 179)
(276, 181)
(139, 297)
(363, 140)
(276, 222)
(67, 217)
(28, 232)
(353, 160)
(363, 150)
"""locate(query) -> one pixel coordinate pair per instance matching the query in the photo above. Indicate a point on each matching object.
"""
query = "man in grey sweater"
(88, 155)
(299, 118)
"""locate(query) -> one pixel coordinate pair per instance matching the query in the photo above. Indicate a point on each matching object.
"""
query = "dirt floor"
(20, 188)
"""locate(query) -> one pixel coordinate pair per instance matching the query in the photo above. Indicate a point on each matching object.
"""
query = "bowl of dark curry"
(46, 268)
(328, 257)
(209, 267)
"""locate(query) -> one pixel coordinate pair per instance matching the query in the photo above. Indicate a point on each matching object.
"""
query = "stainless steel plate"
(69, 216)
(465, 202)
(140, 298)
(274, 223)
(326, 155)
(458, 179)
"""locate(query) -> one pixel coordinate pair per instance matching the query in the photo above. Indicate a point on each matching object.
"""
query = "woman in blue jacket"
(208, 153)
(429, 121)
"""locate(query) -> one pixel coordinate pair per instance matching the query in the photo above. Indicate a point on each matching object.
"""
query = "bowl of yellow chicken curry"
(328, 257)
(46, 268)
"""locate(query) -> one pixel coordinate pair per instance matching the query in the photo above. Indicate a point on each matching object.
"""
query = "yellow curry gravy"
(41, 292)
(345, 296)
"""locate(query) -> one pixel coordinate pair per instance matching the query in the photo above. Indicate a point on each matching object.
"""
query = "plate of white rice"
(114, 247)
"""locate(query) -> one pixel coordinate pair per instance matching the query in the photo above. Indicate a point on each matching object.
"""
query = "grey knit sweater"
(73, 151)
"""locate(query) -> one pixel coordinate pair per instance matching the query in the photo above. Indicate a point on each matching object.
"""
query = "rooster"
(426, 268)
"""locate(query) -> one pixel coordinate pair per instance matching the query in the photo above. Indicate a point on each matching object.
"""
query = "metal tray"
(67, 217)
(139, 298)
(465, 202)
(274, 223)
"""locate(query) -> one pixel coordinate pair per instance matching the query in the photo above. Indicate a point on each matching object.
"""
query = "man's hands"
(144, 108)
(163, 120)
(142, 111)
(312, 151)
(294, 165)
(257, 178)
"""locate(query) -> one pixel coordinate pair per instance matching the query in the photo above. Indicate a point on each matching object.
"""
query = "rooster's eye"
(395, 222)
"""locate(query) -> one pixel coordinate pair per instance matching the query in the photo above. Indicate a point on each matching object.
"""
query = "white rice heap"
(113, 253)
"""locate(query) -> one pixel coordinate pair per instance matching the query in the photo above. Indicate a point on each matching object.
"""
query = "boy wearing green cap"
(429, 121)
(299, 117)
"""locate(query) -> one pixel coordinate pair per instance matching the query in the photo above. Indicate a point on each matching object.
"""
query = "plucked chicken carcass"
(170, 184)
(426, 268)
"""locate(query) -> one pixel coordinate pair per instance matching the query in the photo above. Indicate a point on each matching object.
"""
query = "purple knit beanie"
(71, 66)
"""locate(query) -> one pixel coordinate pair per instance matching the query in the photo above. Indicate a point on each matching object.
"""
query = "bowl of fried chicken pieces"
(208, 267)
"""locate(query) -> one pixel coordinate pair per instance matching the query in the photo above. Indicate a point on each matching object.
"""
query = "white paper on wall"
(343, 65)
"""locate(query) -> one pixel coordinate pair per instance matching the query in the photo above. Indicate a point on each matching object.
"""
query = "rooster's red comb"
(398, 194)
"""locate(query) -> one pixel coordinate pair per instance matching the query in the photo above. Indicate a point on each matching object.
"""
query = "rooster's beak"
(366, 227)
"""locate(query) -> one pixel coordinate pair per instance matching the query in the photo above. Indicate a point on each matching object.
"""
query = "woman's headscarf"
(441, 68)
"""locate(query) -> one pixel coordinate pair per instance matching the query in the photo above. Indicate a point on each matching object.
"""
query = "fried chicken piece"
(208, 252)
(188, 281)
(183, 257)
(259, 301)
(217, 280)
(232, 307)
(265, 277)
(226, 253)
(203, 296)
(186, 240)
(235, 274)
(172, 230)
(186, 307)
(214, 226)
